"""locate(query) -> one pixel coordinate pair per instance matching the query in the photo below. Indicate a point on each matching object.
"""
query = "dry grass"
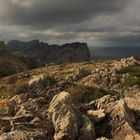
(10, 84)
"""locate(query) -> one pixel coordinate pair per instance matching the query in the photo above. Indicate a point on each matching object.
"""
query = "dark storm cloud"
(56, 12)
(58, 21)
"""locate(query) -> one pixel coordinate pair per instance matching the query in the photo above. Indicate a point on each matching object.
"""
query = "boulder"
(67, 121)
(35, 79)
(133, 104)
(102, 102)
(96, 115)
(120, 120)
(64, 117)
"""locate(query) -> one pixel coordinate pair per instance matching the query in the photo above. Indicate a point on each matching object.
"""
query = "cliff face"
(74, 52)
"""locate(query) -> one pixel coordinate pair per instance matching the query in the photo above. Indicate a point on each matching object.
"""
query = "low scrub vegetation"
(85, 94)
(23, 88)
(6, 72)
(132, 81)
(134, 78)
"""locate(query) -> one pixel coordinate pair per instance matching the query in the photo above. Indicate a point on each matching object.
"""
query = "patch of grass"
(134, 71)
(134, 78)
(85, 94)
(4, 72)
(126, 70)
(132, 81)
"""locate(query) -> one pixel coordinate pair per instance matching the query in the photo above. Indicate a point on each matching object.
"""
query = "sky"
(97, 22)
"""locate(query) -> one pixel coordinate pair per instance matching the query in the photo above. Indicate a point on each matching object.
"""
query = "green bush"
(132, 81)
(85, 93)
(126, 70)
(134, 78)
(4, 72)
(134, 71)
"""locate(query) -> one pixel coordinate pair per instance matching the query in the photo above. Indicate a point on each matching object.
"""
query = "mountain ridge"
(70, 52)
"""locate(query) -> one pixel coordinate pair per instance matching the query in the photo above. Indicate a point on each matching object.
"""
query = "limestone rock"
(102, 102)
(132, 137)
(120, 120)
(133, 104)
(96, 115)
(36, 79)
(67, 120)
(64, 117)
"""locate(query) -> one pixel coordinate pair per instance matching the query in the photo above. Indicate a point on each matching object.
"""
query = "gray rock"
(120, 121)
(64, 117)
(96, 115)
(102, 102)
(67, 120)
(133, 104)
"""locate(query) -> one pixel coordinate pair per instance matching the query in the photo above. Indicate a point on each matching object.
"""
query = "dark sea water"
(113, 53)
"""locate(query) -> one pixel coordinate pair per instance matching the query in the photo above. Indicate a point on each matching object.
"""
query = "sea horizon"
(113, 53)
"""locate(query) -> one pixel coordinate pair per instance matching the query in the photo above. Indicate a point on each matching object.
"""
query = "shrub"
(23, 88)
(48, 81)
(132, 81)
(85, 93)
(6, 72)
(134, 78)
(126, 70)
(134, 71)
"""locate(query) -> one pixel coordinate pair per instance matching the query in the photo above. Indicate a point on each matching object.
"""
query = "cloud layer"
(98, 22)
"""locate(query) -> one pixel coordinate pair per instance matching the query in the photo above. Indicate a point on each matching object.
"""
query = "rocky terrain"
(74, 101)
(72, 52)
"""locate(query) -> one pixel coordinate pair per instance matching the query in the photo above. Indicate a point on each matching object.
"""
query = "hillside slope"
(87, 100)
(11, 63)
(73, 52)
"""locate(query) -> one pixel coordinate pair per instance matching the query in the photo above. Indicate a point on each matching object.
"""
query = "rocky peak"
(70, 52)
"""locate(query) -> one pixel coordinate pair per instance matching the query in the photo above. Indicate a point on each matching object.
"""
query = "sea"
(113, 53)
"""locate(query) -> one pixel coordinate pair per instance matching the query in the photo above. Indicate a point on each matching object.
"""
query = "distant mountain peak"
(69, 52)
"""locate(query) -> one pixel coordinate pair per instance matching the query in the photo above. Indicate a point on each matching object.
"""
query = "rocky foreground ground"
(80, 101)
